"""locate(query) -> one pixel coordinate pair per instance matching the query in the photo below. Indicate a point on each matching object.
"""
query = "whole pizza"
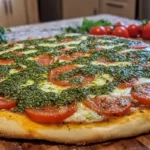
(74, 88)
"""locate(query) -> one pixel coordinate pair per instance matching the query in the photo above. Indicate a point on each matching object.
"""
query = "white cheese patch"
(51, 44)
(83, 37)
(101, 80)
(147, 49)
(29, 52)
(73, 42)
(109, 47)
(107, 64)
(84, 114)
(50, 87)
(142, 80)
(30, 58)
(17, 46)
(13, 71)
(72, 34)
(121, 92)
(29, 82)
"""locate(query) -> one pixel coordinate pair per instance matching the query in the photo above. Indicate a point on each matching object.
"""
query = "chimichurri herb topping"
(25, 86)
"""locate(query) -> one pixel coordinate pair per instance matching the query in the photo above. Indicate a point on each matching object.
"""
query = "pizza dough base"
(14, 125)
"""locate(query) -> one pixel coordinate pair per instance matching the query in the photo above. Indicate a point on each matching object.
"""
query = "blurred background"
(21, 12)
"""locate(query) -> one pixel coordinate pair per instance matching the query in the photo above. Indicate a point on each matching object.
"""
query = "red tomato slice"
(142, 93)
(6, 62)
(127, 84)
(110, 106)
(139, 46)
(71, 57)
(44, 60)
(65, 40)
(6, 104)
(92, 105)
(64, 49)
(56, 72)
(17, 53)
(51, 114)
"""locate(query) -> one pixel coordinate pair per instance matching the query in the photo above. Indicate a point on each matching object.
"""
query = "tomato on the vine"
(146, 32)
(109, 29)
(134, 30)
(121, 32)
(98, 30)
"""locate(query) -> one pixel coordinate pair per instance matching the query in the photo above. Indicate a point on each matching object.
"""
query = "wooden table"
(137, 143)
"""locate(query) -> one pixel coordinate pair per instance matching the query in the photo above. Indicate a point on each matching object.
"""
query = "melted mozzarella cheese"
(143, 80)
(111, 64)
(50, 87)
(101, 80)
(84, 114)
(29, 82)
(121, 92)
(29, 52)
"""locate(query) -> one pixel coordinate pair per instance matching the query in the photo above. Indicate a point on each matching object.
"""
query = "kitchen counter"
(52, 28)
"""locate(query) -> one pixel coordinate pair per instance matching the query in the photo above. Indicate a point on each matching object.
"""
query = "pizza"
(74, 88)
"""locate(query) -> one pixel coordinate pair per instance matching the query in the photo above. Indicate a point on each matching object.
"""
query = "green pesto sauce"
(32, 95)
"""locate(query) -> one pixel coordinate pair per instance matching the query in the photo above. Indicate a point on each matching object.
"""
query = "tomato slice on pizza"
(44, 60)
(110, 106)
(6, 62)
(71, 57)
(51, 114)
(6, 104)
(17, 53)
(127, 84)
(56, 72)
(139, 46)
(141, 92)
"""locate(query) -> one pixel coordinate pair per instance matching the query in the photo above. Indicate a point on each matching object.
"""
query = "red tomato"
(139, 46)
(17, 53)
(6, 62)
(98, 30)
(134, 30)
(6, 104)
(51, 114)
(71, 57)
(142, 93)
(109, 29)
(44, 60)
(141, 30)
(64, 69)
(146, 32)
(110, 106)
(127, 84)
(121, 32)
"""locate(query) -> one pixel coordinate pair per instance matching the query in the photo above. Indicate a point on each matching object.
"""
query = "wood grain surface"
(141, 142)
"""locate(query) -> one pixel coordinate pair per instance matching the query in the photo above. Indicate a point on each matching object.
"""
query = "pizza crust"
(19, 126)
